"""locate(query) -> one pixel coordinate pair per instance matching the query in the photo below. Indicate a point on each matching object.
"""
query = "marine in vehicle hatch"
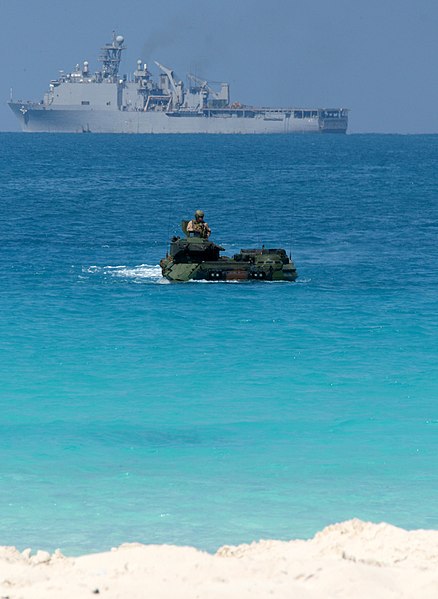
(195, 257)
(198, 227)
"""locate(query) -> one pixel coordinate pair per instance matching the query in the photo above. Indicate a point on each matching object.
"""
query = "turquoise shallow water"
(203, 414)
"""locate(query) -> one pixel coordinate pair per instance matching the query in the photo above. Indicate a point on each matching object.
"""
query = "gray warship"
(105, 102)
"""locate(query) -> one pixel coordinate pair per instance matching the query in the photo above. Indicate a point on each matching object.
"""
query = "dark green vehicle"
(196, 258)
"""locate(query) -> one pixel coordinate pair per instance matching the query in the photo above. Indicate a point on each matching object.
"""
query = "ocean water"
(132, 409)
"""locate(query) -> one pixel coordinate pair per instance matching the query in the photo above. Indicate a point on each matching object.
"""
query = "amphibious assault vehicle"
(195, 258)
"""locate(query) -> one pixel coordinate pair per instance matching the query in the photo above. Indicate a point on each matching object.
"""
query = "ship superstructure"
(105, 102)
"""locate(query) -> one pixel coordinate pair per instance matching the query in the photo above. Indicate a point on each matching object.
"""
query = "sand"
(352, 559)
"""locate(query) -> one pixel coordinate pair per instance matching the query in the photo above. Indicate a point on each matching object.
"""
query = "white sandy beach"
(353, 559)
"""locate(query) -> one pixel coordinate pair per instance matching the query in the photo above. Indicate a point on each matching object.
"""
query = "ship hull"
(38, 118)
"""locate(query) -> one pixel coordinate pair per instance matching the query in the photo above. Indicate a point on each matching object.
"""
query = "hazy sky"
(377, 57)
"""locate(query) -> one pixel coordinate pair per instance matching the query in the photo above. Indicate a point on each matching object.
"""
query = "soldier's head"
(199, 215)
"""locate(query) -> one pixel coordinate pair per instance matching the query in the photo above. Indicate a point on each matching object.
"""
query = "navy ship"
(105, 102)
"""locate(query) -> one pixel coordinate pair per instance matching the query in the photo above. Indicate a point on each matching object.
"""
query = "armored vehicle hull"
(105, 102)
(199, 259)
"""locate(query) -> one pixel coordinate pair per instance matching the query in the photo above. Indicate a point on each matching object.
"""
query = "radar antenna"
(111, 57)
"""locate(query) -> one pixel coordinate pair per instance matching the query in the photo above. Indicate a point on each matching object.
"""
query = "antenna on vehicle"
(290, 230)
(259, 240)
(169, 215)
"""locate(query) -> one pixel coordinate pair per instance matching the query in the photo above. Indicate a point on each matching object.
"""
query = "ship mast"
(111, 57)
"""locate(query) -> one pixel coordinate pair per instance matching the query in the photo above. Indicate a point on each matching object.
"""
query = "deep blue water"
(133, 410)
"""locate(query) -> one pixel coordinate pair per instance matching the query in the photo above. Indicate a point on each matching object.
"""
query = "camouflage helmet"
(199, 213)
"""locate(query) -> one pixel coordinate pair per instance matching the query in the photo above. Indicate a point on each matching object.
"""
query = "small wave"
(238, 282)
(208, 282)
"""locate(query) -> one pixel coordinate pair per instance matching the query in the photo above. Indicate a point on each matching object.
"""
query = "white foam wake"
(141, 272)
